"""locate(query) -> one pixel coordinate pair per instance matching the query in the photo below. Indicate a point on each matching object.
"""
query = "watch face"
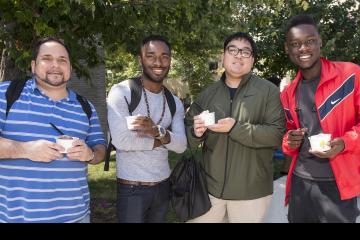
(162, 131)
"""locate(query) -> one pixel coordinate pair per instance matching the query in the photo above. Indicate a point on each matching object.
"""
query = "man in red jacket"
(322, 186)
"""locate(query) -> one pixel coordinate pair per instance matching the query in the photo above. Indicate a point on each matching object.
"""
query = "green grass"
(103, 190)
(103, 193)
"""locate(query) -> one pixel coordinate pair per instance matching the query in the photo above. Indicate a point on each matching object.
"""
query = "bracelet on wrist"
(165, 140)
(92, 156)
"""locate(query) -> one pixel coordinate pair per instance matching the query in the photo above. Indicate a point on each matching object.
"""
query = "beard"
(55, 83)
(153, 78)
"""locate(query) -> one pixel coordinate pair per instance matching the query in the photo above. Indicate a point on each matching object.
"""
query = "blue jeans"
(143, 204)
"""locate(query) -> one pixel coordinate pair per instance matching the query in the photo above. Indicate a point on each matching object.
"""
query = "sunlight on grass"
(97, 172)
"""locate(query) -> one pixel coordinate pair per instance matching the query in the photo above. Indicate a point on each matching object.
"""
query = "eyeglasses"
(234, 51)
(308, 43)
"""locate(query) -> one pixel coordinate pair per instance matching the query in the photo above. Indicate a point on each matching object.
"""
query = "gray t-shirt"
(136, 159)
(308, 165)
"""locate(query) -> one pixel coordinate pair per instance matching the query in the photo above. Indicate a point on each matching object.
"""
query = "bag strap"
(13, 93)
(170, 101)
(16, 87)
(136, 93)
(85, 105)
(109, 148)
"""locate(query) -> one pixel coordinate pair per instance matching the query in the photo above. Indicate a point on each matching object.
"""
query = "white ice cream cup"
(129, 122)
(208, 118)
(66, 142)
(320, 142)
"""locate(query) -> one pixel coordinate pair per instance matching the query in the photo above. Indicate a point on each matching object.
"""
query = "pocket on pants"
(125, 190)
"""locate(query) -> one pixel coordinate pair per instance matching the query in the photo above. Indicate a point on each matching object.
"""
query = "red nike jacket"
(337, 100)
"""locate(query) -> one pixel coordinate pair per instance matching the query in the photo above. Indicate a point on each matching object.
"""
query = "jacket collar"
(243, 81)
(327, 73)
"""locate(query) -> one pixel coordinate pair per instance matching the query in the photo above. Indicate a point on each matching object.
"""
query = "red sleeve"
(286, 149)
(352, 137)
(290, 125)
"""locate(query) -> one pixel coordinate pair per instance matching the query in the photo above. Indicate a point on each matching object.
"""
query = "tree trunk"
(96, 92)
(8, 69)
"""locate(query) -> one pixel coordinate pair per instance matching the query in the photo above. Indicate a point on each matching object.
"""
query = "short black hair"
(41, 41)
(245, 36)
(301, 19)
(154, 38)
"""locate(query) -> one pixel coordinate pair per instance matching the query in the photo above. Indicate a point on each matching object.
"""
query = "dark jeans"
(319, 202)
(143, 204)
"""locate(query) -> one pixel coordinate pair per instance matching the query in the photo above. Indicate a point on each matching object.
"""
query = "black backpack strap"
(13, 93)
(85, 105)
(87, 109)
(136, 93)
(170, 101)
(109, 148)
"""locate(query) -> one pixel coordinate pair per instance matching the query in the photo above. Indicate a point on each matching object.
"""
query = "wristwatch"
(161, 131)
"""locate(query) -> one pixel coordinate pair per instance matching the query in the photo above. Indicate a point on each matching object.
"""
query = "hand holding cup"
(66, 142)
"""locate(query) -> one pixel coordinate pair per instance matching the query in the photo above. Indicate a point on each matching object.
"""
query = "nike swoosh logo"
(333, 102)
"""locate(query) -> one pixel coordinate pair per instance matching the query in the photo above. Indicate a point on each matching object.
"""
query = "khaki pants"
(235, 211)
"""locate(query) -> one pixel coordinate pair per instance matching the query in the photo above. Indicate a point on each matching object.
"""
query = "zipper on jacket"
(226, 155)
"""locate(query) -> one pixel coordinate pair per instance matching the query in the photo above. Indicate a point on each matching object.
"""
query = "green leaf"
(305, 5)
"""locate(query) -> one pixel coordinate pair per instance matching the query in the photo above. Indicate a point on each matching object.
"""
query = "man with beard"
(38, 182)
(324, 97)
(142, 146)
(238, 149)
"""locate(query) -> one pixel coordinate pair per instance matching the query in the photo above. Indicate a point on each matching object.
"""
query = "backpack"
(136, 93)
(15, 88)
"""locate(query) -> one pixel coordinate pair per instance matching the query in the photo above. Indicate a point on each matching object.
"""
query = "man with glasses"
(323, 98)
(238, 149)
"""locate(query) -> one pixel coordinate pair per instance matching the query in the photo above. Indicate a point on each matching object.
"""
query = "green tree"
(266, 20)
(195, 28)
(74, 21)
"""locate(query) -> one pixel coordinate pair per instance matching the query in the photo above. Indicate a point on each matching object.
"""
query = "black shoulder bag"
(189, 195)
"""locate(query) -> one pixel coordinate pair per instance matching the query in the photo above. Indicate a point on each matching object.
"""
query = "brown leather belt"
(136, 183)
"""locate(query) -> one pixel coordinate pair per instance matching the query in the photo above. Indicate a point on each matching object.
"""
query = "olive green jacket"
(238, 164)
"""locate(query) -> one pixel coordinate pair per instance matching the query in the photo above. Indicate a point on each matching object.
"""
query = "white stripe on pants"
(235, 211)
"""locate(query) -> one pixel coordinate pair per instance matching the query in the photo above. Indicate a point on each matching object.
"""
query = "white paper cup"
(129, 122)
(208, 118)
(66, 142)
(320, 142)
